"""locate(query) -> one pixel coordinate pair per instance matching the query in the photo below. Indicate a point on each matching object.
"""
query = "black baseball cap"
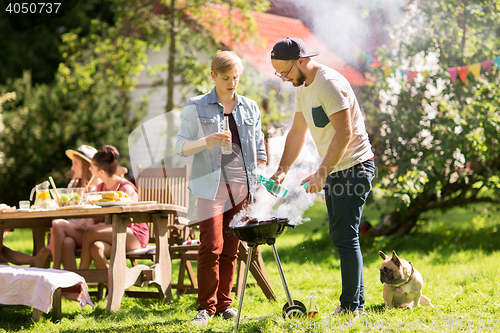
(291, 48)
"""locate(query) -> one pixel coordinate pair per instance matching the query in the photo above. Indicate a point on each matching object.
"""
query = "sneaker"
(340, 311)
(229, 314)
(362, 312)
(201, 318)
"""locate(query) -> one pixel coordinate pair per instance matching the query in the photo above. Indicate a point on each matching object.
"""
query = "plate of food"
(114, 198)
(4, 208)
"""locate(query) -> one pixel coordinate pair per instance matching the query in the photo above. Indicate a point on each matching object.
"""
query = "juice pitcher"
(42, 199)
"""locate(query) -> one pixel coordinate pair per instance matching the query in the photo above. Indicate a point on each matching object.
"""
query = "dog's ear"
(395, 258)
(382, 254)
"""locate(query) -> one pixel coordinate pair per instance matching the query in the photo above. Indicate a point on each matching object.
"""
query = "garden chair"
(169, 186)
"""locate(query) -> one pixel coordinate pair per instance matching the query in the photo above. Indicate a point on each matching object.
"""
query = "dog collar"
(409, 279)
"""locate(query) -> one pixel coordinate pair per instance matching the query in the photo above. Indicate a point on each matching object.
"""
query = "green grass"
(456, 252)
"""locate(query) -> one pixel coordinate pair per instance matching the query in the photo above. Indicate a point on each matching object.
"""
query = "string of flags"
(460, 71)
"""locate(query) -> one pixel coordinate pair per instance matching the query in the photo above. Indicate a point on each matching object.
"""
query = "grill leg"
(249, 260)
(285, 285)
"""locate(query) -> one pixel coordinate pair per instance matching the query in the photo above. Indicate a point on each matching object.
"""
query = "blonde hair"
(226, 60)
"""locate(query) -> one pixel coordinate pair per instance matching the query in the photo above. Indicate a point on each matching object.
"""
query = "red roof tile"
(270, 29)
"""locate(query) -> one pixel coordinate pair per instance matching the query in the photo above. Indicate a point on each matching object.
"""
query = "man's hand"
(279, 177)
(316, 182)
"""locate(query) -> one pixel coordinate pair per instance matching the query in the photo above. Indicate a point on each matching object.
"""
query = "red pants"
(218, 251)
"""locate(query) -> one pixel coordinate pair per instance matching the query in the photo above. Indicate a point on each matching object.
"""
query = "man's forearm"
(293, 145)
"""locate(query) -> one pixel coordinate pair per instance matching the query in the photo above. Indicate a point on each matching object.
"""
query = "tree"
(37, 49)
(45, 120)
(88, 102)
(185, 28)
(439, 141)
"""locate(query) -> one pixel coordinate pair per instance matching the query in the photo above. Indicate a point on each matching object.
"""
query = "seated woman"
(97, 238)
(66, 235)
(18, 258)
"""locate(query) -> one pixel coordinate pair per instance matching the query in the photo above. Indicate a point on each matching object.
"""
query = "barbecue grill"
(256, 233)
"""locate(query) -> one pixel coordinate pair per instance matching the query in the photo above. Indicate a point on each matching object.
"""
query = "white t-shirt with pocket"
(330, 92)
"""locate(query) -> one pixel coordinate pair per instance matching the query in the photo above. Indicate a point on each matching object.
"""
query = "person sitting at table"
(18, 258)
(67, 235)
(97, 238)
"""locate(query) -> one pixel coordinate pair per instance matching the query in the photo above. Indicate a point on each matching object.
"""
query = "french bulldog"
(402, 283)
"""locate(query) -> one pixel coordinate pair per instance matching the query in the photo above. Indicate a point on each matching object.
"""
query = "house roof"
(270, 29)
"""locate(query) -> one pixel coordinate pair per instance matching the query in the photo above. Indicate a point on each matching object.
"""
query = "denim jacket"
(204, 115)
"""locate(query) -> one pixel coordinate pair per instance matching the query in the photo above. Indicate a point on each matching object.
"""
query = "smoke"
(297, 201)
(340, 24)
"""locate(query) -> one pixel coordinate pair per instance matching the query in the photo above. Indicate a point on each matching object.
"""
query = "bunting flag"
(365, 58)
(362, 56)
(487, 65)
(402, 72)
(475, 69)
(453, 74)
(411, 75)
(387, 71)
(460, 71)
(497, 61)
(368, 60)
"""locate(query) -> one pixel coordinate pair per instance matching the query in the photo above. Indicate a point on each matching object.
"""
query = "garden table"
(119, 276)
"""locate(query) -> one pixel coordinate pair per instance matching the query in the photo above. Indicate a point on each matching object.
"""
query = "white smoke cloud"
(339, 24)
(297, 201)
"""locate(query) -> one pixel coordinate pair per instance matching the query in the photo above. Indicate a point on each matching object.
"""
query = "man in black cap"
(327, 106)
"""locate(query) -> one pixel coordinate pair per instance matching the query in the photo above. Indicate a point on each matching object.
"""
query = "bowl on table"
(70, 196)
(91, 198)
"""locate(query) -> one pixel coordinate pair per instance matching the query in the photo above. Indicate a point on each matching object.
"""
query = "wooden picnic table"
(119, 276)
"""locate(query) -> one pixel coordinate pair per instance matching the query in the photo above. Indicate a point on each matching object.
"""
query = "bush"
(45, 120)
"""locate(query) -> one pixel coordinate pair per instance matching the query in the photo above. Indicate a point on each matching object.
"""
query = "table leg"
(38, 239)
(164, 273)
(117, 263)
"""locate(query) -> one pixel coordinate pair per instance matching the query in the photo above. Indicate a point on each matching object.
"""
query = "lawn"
(454, 251)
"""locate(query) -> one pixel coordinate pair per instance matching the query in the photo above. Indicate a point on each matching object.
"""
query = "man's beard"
(300, 80)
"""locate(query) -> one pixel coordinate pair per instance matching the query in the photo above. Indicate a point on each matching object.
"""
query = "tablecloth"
(35, 286)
